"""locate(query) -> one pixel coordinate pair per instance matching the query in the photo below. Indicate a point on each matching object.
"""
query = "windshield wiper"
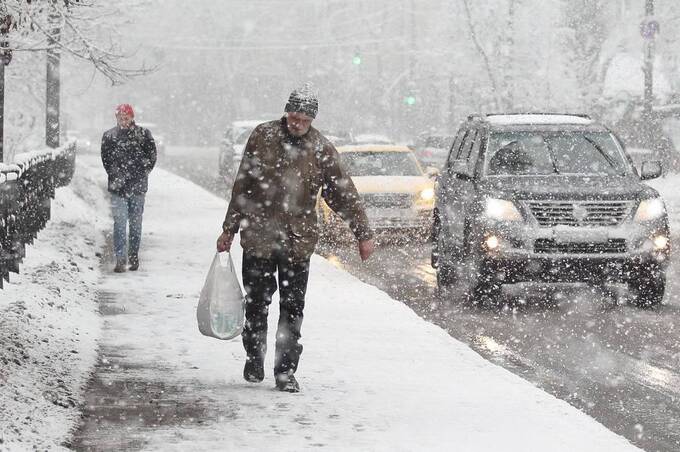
(551, 151)
(602, 152)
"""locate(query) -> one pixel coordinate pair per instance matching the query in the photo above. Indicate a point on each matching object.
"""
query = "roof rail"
(474, 116)
(580, 115)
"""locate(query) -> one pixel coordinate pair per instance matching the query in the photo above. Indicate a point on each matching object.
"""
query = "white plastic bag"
(221, 307)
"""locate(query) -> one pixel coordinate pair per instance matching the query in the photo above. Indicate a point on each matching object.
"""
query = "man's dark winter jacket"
(274, 200)
(128, 156)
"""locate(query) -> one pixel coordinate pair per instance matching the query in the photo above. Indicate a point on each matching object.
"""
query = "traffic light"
(356, 59)
(410, 100)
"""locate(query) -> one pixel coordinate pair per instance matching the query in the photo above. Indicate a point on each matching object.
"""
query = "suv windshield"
(551, 152)
(380, 164)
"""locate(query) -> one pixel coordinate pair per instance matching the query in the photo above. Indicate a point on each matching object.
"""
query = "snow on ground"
(48, 328)
(374, 376)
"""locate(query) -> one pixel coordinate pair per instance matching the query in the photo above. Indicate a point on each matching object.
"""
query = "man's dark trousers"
(259, 281)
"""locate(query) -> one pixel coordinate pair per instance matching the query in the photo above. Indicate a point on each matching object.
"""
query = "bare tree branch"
(81, 33)
(482, 52)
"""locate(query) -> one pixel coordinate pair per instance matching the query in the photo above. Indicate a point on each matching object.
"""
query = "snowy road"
(617, 363)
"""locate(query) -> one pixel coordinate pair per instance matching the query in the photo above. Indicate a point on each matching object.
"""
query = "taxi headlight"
(427, 194)
(501, 209)
(660, 242)
(650, 209)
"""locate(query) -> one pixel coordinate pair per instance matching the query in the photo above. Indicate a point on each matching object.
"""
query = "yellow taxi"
(395, 191)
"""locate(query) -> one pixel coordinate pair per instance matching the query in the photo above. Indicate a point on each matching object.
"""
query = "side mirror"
(650, 170)
(460, 168)
(432, 172)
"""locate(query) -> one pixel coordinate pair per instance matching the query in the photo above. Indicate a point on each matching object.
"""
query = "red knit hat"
(125, 109)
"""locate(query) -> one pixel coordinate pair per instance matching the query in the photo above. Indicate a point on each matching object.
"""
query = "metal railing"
(27, 187)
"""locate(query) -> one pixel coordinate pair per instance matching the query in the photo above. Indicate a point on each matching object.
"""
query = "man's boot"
(134, 262)
(120, 265)
(286, 382)
(253, 371)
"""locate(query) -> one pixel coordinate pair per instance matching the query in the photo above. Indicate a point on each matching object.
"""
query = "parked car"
(645, 138)
(231, 149)
(157, 134)
(337, 137)
(648, 141)
(547, 198)
(432, 150)
(397, 195)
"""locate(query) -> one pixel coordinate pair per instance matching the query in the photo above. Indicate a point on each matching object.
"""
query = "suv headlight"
(427, 194)
(501, 209)
(650, 209)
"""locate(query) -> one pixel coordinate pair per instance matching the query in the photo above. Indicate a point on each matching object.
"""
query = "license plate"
(388, 213)
(579, 235)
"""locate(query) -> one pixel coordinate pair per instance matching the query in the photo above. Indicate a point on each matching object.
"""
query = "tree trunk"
(2, 111)
(52, 94)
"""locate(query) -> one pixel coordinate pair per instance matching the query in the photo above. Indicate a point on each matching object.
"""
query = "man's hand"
(366, 248)
(224, 242)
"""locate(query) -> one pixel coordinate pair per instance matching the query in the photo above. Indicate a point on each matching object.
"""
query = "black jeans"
(259, 281)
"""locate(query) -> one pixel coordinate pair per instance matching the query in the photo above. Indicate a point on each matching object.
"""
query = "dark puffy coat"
(128, 156)
(274, 198)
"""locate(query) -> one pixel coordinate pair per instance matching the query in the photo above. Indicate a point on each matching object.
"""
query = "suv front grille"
(387, 200)
(580, 213)
(550, 246)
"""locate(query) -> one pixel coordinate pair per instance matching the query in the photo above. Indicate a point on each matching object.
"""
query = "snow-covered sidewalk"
(374, 376)
(48, 330)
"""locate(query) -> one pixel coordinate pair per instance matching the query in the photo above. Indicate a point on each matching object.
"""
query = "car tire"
(482, 286)
(486, 290)
(446, 276)
(434, 238)
(445, 273)
(648, 287)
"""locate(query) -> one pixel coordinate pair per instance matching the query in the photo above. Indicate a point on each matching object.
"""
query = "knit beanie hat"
(303, 100)
(125, 109)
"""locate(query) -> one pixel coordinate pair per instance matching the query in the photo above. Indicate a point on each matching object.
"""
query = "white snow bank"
(48, 328)
(374, 376)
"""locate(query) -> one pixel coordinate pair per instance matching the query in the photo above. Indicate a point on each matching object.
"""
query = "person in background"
(129, 154)
(285, 164)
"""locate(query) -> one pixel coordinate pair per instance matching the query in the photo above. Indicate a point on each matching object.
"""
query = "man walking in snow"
(285, 164)
(128, 155)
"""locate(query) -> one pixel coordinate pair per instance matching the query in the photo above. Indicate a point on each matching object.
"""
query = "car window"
(468, 142)
(455, 148)
(474, 154)
(550, 152)
(360, 164)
